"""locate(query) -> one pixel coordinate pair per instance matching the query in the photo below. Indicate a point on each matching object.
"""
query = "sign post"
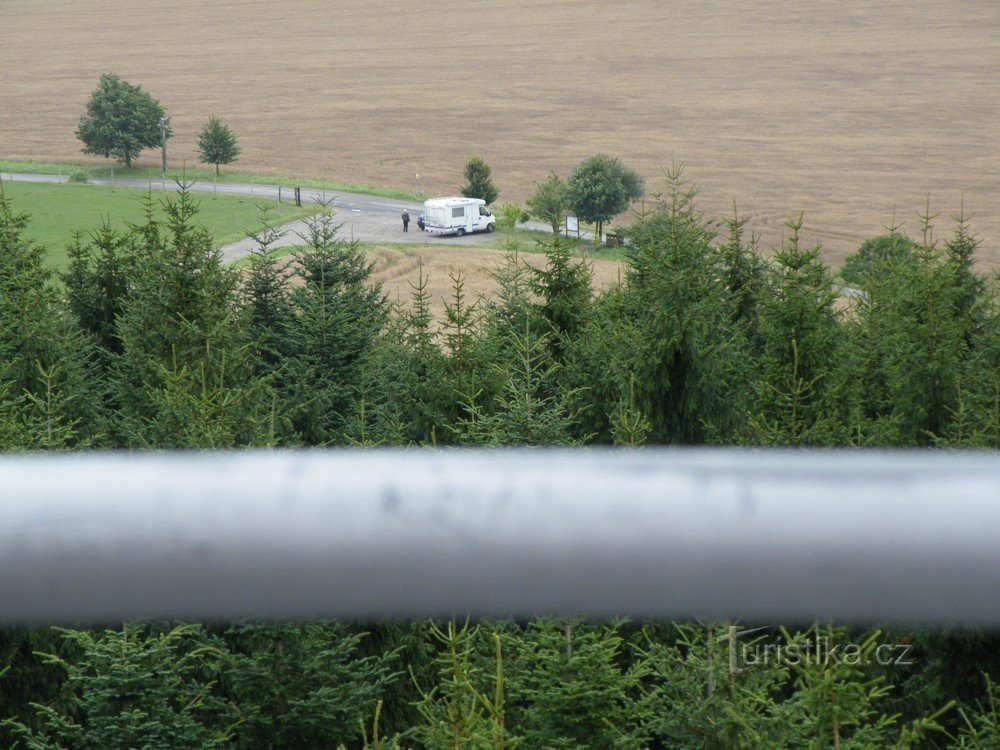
(163, 141)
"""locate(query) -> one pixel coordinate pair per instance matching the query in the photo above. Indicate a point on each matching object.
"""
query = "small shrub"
(510, 215)
(876, 255)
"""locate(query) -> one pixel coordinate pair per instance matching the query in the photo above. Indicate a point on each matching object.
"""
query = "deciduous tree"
(601, 187)
(121, 120)
(549, 201)
(217, 143)
(879, 256)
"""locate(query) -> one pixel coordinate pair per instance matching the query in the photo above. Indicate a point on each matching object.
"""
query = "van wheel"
(460, 233)
(489, 227)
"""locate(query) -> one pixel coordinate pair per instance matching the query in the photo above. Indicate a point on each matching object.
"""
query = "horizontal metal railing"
(760, 535)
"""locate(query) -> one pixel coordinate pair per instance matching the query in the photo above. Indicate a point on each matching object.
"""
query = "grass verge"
(57, 211)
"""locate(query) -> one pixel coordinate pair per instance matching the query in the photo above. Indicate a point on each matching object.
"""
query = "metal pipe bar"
(760, 535)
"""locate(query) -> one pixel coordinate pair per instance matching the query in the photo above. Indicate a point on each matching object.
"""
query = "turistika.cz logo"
(816, 650)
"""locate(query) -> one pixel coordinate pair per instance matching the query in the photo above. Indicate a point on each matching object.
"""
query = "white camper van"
(457, 216)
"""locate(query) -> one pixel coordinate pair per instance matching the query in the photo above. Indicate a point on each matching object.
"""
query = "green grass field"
(57, 211)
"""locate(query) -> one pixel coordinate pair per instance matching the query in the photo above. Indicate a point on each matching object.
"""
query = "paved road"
(368, 218)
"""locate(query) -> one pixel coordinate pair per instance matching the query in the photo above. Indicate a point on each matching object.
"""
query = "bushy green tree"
(478, 182)
(549, 202)
(121, 120)
(136, 688)
(526, 330)
(697, 691)
(723, 686)
(264, 302)
(907, 348)
(509, 215)
(414, 648)
(563, 288)
(796, 401)
(972, 302)
(472, 357)
(217, 143)
(97, 283)
(602, 187)
(975, 416)
(184, 378)
(569, 689)
(745, 275)
(302, 685)
(600, 374)
(48, 397)
(403, 397)
(512, 307)
(679, 338)
(944, 665)
(529, 408)
(337, 318)
(466, 706)
(28, 677)
(981, 728)
(879, 256)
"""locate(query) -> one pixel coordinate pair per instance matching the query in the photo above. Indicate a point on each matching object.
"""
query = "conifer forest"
(148, 341)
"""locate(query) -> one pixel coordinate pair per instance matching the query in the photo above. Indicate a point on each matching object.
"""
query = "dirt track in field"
(840, 109)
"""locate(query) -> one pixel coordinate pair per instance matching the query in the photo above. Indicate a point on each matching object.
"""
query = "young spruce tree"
(337, 317)
(48, 396)
(685, 351)
(794, 401)
(184, 378)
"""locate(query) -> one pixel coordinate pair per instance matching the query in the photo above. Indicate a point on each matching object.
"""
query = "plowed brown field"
(840, 109)
(398, 270)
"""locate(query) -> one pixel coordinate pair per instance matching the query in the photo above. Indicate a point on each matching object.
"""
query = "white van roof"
(453, 201)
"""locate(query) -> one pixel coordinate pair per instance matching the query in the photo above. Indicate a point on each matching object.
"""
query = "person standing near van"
(406, 220)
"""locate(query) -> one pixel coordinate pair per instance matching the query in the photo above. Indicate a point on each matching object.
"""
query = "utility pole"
(163, 141)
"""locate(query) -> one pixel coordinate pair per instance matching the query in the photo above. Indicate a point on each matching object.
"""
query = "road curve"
(367, 218)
